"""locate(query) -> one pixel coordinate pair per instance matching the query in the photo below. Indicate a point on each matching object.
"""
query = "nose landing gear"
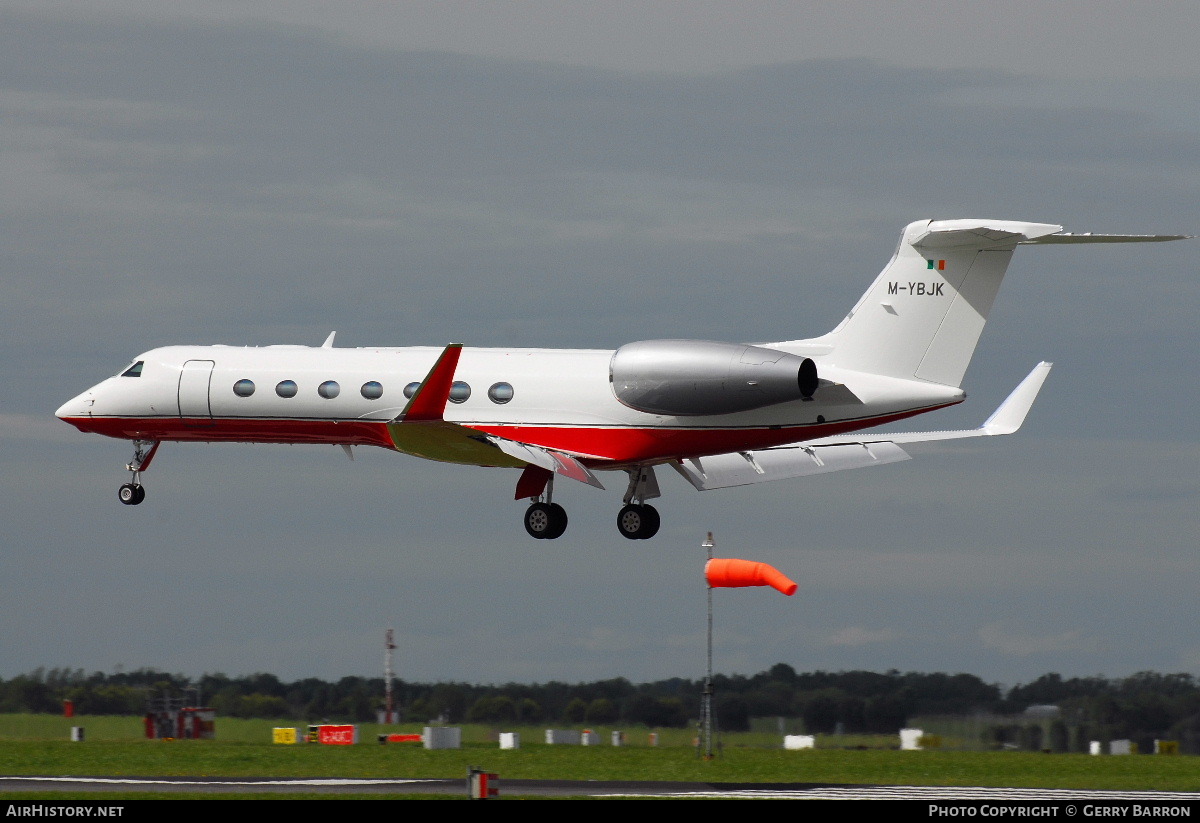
(133, 493)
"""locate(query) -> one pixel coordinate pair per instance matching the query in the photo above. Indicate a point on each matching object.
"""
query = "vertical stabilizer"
(923, 315)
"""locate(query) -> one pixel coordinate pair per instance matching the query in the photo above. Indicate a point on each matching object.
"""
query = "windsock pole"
(706, 699)
(730, 572)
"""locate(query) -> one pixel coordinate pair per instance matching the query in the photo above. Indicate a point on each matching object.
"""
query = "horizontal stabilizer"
(557, 462)
(849, 451)
(1067, 237)
(986, 234)
(923, 315)
(980, 234)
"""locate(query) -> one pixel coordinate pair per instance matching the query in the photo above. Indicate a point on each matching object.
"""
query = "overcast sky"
(585, 175)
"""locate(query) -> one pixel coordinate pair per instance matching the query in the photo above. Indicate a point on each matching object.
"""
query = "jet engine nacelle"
(692, 377)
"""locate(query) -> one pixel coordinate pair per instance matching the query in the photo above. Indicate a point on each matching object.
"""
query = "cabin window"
(135, 370)
(243, 388)
(411, 389)
(329, 389)
(500, 393)
(286, 388)
(371, 390)
(459, 391)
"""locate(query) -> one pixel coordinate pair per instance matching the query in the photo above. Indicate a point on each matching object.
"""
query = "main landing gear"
(546, 520)
(133, 493)
(638, 520)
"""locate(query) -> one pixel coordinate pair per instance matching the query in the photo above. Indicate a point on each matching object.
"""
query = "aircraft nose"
(80, 406)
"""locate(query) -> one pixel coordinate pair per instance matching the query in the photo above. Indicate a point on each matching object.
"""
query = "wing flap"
(722, 471)
(557, 462)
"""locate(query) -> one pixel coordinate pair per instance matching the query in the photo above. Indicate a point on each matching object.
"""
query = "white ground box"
(442, 737)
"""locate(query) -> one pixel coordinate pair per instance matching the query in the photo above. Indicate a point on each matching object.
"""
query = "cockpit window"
(134, 371)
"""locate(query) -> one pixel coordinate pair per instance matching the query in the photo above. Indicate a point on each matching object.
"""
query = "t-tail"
(922, 317)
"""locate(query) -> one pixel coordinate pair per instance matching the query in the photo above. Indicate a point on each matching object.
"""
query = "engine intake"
(694, 377)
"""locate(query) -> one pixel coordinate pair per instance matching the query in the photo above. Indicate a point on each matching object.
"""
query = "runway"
(598, 789)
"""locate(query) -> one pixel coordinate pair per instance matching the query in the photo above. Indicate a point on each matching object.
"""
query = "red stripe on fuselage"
(599, 443)
(239, 430)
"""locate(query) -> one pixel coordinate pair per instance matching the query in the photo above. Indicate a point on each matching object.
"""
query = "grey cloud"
(258, 183)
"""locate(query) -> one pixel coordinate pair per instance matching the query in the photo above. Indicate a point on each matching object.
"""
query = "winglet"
(1009, 416)
(429, 401)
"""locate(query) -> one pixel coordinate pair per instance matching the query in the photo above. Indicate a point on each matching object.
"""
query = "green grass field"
(40, 745)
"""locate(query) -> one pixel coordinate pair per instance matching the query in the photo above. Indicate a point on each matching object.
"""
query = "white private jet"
(720, 414)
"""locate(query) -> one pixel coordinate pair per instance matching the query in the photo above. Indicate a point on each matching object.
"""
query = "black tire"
(140, 491)
(631, 521)
(651, 522)
(558, 522)
(540, 520)
(128, 494)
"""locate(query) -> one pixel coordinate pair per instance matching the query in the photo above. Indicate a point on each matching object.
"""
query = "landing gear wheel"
(545, 521)
(638, 522)
(650, 514)
(558, 521)
(131, 494)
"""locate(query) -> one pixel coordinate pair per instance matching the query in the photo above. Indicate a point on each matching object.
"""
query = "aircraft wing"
(428, 402)
(848, 451)
(421, 429)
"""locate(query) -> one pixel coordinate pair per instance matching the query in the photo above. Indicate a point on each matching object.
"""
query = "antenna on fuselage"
(328, 344)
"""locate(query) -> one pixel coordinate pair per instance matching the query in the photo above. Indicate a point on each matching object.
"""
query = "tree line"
(1146, 704)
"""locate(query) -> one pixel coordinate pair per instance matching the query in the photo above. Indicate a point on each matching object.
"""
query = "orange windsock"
(728, 572)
